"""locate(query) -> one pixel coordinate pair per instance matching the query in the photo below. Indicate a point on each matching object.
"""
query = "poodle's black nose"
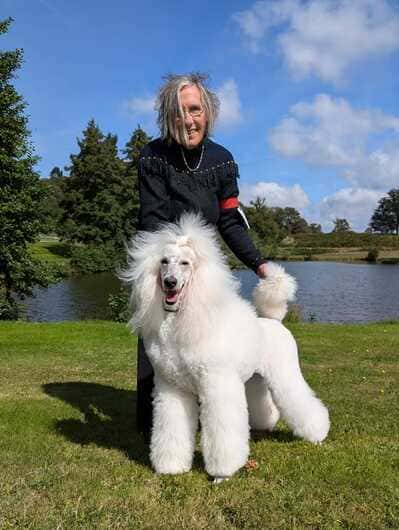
(170, 282)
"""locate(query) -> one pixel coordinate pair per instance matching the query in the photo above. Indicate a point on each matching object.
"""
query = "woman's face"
(194, 115)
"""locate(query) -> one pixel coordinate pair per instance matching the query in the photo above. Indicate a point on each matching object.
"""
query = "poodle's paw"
(170, 463)
(171, 468)
(219, 480)
(315, 430)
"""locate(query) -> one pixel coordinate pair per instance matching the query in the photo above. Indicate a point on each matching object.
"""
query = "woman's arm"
(232, 226)
(235, 234)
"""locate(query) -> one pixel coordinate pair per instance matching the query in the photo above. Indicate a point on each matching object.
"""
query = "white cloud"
(140, 106)
(355, 205)
(322, 37)
(230, 104)
(331, 133)
(379, 169)
(275, 195)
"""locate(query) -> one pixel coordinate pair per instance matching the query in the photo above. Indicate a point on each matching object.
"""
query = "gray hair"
(169, 106)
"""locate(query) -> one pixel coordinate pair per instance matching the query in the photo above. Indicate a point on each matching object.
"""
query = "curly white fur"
(214, 359)
(271, 295)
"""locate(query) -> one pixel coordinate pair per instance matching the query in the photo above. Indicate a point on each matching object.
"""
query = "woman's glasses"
(194, 112)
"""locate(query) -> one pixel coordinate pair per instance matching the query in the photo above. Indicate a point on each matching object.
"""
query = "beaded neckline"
(192, 169)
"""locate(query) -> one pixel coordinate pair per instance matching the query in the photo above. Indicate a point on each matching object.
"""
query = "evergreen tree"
(100, 200)
(132, 150)
(93, 191)
(385, 219)
(54, 193)
(20, 191)
(138, 140)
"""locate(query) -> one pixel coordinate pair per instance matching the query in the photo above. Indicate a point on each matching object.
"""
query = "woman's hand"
(261, 271)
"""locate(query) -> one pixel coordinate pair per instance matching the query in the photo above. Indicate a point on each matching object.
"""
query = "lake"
(328, 292)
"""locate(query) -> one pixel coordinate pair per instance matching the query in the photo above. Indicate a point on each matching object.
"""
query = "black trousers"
(145, 386)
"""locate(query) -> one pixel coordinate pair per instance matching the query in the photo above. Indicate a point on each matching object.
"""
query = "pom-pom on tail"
(272, 294)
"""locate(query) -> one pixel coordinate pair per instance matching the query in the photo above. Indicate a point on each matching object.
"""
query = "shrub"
(372, 255)
(89, 259)
(11, 310)
(118, 305)
(294, 314)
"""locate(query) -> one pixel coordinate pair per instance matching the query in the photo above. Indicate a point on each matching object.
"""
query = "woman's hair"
(169, 106)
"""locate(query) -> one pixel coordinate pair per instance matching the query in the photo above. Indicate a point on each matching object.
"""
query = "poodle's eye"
(164, 261)
(185, 262)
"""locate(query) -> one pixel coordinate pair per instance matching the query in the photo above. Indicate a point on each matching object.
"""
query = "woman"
(184, 170)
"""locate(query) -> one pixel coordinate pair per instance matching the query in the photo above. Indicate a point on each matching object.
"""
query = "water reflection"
(328, 292)
(341, 292)
(79, 298)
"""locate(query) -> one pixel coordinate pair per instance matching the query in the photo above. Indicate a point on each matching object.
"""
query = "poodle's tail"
(271, 295)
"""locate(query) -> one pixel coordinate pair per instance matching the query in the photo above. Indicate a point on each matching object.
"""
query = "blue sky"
(308, 89)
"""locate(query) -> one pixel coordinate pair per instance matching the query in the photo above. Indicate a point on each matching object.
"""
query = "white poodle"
(213, 358)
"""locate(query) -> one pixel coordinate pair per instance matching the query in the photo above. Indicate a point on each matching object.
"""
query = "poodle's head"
(175, 272)
(179, 268)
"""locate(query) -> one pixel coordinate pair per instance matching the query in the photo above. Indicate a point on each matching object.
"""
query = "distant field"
(347, 239)
(351, 247)
(309, 247)
(70, 457)
(349, 254)
(49, 249)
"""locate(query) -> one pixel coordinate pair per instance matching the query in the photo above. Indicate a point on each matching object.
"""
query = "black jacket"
(167, 189)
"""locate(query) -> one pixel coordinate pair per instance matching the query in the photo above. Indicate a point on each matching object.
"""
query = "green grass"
(70, 458)
(54, 254)
(340, 254)
(342, 247)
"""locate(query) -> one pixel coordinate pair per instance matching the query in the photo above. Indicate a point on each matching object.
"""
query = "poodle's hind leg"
(263, 413)
(304, 413)
(224, 424)
(175, 424)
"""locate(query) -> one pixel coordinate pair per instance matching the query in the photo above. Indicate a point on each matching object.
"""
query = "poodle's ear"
(142, 274)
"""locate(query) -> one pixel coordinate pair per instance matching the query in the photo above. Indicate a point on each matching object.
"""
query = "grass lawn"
(70, 458)
(53, 252)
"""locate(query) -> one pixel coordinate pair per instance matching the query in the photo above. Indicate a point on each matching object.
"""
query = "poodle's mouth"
(171, 299)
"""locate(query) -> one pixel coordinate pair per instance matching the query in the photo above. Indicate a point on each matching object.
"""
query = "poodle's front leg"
(175, 423)
(224, 424)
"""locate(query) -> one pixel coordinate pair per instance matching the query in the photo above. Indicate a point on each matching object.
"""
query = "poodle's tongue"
(171, 297)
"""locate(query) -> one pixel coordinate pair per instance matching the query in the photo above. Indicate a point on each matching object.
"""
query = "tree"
(20, 192)
(54, 194)
(341, 225)
(138, 140)
(261, 220)
(93, 189)
(385, 219)
(100, 199)
(315, 228)
(132, 150)
(290, 220)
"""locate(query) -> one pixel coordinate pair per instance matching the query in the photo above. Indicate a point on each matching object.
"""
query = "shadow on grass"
(277, 436)
(109, 420)
(109, 417)
(58, 249)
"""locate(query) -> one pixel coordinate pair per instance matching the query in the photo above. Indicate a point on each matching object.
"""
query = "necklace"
(192, 169)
